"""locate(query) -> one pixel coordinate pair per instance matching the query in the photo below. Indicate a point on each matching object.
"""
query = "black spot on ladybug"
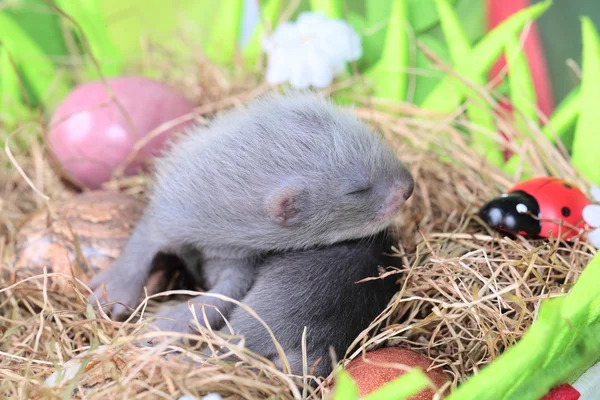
(568, 186)
(565, 211)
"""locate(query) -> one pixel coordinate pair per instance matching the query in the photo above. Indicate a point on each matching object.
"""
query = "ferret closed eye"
(364, 190)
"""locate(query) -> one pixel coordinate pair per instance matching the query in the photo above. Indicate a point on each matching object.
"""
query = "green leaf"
(586, 145)
(563, 119)
(517, 168)
(345, 388)
(40, 74)
(270, 13)
(483, 56)
(12, 108)
(516, 364)
(389, 73)
(473, 15)
(358, 22)
(377, 17)
(132, 22)
(10, 91)
(41, 24)
(458, 45)
(406, 385)
(522, 90)
(89, 17)
(222, 45)
(330, 8)
(423, 14)
(562, 342)
(428, 77)
(522, 94)
(478, 111)
(575, 358)
(456, 38)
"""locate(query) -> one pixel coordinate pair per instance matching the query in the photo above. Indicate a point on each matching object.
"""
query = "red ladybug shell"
(557, 200)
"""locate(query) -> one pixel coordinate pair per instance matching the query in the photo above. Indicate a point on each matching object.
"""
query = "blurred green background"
(44, 53)
(560, 28)
(128, 21)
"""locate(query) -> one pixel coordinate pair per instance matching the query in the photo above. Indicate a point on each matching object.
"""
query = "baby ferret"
(288, 172)
(317, 288)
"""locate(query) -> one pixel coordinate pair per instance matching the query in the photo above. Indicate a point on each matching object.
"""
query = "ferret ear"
(286, 203)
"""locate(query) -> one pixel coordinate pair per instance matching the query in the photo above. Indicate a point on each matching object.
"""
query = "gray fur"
(318, 289)
(276, 176)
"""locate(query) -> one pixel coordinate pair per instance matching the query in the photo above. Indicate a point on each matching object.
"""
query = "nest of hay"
(466, 294)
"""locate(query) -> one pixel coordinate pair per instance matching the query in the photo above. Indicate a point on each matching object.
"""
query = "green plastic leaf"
(89, 18)
(479, 112)
(222, 45)
(358, 22)
(423, 14)
(345, 388)
(522, 95)
(12, 108)
(489, 48)
(456, 38)
(43, 79)
(41, 24)
(428, 77)
(586, 145)
(457, 43)
(517, 363)
(563, 119)
(483, 56)
(481, 116)
(270, 12)
(576, 358)
(562, 342)
(401, 388)
(389, 73)
(9, 81)
(330, 8)
(378, 12)
(522, 90)
(473, 15)
(132, 22)
(517, 168)
(377, 17)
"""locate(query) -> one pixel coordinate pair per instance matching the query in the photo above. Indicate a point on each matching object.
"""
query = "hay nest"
(468, 294)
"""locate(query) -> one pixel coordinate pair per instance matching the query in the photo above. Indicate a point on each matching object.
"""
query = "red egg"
(370, 376)
(90, 137)
(562, 392)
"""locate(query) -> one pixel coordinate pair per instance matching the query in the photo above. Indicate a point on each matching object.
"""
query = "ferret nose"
(409, 189)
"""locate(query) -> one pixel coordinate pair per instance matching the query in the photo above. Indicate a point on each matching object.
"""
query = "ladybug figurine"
(533, 208)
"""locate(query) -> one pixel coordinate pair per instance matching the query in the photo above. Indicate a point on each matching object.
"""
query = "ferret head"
(341, 180)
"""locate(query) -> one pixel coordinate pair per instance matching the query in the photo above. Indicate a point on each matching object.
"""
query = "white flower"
(595, 191)
(311, 51)
(591, 216)
(211, 396)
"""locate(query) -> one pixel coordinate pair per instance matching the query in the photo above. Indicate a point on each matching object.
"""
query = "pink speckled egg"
(90, 137)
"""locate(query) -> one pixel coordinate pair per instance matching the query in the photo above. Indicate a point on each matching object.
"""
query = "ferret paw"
(122, 294)
(176, 319)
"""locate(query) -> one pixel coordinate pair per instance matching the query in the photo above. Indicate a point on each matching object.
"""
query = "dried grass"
(468, 294)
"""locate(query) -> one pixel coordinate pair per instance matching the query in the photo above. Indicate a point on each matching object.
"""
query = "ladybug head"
(514, 212)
